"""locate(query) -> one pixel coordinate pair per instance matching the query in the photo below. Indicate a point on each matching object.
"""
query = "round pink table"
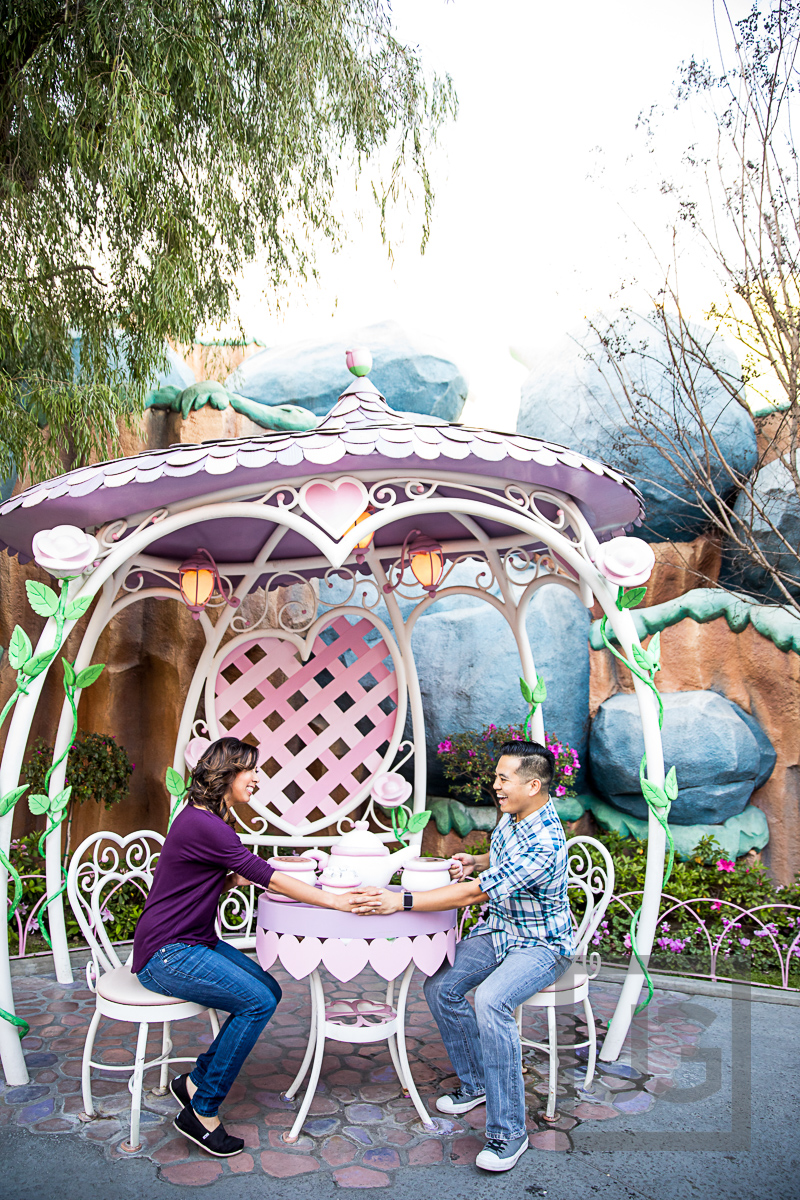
(304, 938)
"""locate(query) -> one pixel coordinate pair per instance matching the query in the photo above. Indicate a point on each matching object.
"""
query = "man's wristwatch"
(408, 901)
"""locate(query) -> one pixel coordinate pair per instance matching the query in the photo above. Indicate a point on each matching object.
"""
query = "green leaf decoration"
(39, 804)
(654, 795)
(419, 821)
(175, 785)
(631, 598)
(641, 658)
(10, 799)
(654, 650)
(76, 608)
(41, 598)
(540, 691)
(69, 673)
(527, 694)
(88, 675)
(401, 819)
(60, 802)
(671, 785)
(20, 648)
(37, 664)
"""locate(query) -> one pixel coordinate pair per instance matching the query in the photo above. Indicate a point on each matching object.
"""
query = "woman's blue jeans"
(484, 1044)
(223, 978)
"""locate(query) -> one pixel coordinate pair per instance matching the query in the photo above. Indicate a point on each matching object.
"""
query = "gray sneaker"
(459, 1101)
(498, 1155)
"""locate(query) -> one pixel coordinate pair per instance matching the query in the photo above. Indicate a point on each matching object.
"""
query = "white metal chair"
(596, 882)
(100, 866)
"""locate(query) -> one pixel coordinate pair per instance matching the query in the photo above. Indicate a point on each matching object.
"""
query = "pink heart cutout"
(266, 947)
(299, 958)
(390, 958)
(334, 504)
(429, 952)
(345, 960)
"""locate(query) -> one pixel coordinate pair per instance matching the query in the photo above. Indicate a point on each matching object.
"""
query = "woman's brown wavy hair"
(216, 771)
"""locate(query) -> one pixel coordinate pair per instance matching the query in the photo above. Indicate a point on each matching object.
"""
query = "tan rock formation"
(750, 670)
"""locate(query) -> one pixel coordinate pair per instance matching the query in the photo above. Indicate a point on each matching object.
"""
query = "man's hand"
(376, 902)
(364, 901)
(466, 861)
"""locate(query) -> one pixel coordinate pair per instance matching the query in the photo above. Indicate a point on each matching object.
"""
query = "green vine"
(404, 824)
(533, 696)
(659, 800)
(177, 788)
(45, 603)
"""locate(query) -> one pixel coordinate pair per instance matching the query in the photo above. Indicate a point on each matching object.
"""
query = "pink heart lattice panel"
(322, 726)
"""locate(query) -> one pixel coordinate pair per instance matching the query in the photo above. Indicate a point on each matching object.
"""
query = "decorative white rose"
(626, 561)
(195, 751)
(391, 790)
(65, 551)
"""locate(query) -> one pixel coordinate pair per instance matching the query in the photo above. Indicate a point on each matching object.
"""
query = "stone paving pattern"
(360, 1128)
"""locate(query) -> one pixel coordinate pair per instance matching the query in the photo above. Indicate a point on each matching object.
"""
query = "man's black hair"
(536, 761)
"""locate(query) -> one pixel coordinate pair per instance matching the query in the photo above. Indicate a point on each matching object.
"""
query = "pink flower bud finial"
(359, 361)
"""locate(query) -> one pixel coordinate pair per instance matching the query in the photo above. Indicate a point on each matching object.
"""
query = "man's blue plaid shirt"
(527, 884)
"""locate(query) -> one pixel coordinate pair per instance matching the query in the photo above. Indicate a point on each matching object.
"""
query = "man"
(524, 944)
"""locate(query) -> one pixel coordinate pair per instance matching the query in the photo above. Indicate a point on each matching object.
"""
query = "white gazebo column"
(623, 626)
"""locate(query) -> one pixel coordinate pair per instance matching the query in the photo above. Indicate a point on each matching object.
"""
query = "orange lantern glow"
(198, 578)
(366, 541)
(427, 566)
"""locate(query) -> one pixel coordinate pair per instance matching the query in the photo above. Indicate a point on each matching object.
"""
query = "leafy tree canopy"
(148, 150)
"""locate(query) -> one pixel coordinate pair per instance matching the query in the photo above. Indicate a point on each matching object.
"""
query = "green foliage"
(468, 761)
(681, 942)
(148, 151)
(97, 769)
(42, 599)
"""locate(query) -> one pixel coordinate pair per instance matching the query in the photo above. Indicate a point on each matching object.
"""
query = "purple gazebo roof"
(360, 434)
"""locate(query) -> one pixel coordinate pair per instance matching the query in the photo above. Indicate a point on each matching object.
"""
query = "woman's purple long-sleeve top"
(199, 851)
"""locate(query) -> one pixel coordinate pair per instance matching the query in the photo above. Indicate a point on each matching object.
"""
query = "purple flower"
(567, 770)
(561, 791)
(744, 941)
(725, 864)
(444, 747)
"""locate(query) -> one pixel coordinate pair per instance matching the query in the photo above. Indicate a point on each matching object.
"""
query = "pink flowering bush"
(468, 762)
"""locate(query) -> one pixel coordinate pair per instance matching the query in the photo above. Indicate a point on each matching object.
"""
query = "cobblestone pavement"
(361, 1129)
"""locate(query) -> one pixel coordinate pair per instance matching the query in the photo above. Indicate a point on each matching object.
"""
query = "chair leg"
(136, 1085)
(592, 1060)
(552, 1042)
(166, 1047)
(214, 1019)
(86, 1070)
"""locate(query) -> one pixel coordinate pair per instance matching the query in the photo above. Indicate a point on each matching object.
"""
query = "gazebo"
(385, 504)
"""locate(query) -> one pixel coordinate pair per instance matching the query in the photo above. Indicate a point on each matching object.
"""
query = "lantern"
(426, 560)
(365, 542)
(199, 578)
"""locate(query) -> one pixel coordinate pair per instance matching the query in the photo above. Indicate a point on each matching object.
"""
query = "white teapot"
(361, 851)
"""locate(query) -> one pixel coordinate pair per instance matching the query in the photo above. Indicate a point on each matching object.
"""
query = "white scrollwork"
(109, 534)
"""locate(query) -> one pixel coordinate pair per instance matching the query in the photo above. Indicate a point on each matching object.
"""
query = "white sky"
(524, 244)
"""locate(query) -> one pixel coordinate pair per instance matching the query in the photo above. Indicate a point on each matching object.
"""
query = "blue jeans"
(222, 978)
(484, 1044)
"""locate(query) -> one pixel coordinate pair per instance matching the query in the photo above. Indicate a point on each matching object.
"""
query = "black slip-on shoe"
(179, 1090)
(216, 1141)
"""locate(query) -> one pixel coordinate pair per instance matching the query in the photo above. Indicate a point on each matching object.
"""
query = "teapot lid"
(360, 841)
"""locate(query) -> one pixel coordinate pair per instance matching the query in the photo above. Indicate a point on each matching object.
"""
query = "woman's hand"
(362, 901)
(376, 902)
(233, 880)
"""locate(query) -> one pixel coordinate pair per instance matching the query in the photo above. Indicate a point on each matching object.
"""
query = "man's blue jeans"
(483, 1044)
(223, 978)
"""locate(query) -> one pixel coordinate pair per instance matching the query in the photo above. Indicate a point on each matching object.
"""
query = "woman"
(176, 950)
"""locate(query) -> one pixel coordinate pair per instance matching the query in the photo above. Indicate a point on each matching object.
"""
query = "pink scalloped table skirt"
(304, 937)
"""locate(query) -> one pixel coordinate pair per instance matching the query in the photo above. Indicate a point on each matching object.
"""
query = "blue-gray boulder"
(469, 668)
(569, 400)
(414, 375)
(770, 513)
(766, 750)
(705, 737)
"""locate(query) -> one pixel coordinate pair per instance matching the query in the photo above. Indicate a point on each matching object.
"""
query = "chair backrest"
(102, 864)
(324, 721)
(594, 880)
